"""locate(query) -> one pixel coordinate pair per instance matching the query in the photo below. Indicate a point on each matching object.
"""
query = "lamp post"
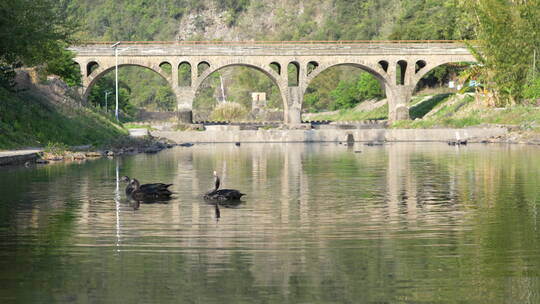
(106, 104)
(116, 51)
(115, 47)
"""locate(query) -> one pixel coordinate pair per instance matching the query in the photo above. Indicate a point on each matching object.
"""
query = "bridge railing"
(242, 43)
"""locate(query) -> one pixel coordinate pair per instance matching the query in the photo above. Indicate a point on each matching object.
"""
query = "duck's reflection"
(136, 204)
(218, 213)
(224, 204)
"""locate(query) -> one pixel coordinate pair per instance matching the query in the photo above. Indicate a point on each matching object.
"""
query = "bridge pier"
(398, 97)
(184, 101)
(293, 111)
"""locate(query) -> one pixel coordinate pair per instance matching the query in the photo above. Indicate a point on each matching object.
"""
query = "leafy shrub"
(55, 148)
(350, 93)
(532, 90)
(311, 99)
(228, 111)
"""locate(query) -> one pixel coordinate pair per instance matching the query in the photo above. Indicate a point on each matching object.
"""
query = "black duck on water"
(222, 195)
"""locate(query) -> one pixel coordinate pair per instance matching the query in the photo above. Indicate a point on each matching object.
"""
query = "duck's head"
(125, 179)
(135, 183)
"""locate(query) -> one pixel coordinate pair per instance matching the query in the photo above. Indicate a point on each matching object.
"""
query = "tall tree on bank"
(508, 33)
(32, 32)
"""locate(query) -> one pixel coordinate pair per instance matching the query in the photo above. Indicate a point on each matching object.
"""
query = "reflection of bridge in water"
(314, 210)
(398, 65)
(284, 191)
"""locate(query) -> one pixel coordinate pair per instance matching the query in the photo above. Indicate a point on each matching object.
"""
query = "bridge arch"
(91, 67)
(102, 71)
(311, 66)
(423, 68)
(202, 67)
(374, 70)
(276, 67)
(384, 65)
(293, 74)
(377, 72)
(378, 58)
(269, 72)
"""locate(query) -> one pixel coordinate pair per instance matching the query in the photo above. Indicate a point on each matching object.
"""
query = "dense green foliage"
(532, 90)
(349, 94)
(103, 96)
(508, 39)
(34, 32)
(432, 20)
(128, 20)
(29, 120)
(341, 87)
(62, 64)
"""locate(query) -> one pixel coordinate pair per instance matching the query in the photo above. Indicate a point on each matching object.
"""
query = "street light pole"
(115, 47)
(116, 51)
(106, 104)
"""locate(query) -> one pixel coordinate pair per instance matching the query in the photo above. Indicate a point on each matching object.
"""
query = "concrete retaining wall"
(275, 135)
(18, 157)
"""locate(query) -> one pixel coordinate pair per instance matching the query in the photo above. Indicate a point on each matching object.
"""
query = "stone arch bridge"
(380, 58)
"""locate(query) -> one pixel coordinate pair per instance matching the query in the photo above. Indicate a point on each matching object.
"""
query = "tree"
(508, 38)
(349, 93)
(63, 65)
(32, 32)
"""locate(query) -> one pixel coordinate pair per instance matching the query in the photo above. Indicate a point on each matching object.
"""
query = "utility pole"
(106, 104)
(116, 51)
(115, 47)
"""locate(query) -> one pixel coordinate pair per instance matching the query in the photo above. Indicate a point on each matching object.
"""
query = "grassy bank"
(351, 115)
(30, 120)
(464, 111)
(448, 110)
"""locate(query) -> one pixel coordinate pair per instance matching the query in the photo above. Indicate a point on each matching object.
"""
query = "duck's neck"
(216, 180)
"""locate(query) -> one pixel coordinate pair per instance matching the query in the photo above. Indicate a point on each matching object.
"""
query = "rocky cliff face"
(261, 19)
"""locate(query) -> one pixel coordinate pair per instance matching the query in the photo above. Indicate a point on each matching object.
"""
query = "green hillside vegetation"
(310, 20)
(28, 120)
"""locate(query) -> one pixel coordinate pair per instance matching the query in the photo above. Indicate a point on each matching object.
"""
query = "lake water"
(321, 223)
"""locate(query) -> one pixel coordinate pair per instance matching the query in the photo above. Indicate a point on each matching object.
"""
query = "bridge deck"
(264, 48)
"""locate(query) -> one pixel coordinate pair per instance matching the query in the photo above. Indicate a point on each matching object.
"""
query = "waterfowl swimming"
(155, 187)
(222, 195)
(148, 193)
